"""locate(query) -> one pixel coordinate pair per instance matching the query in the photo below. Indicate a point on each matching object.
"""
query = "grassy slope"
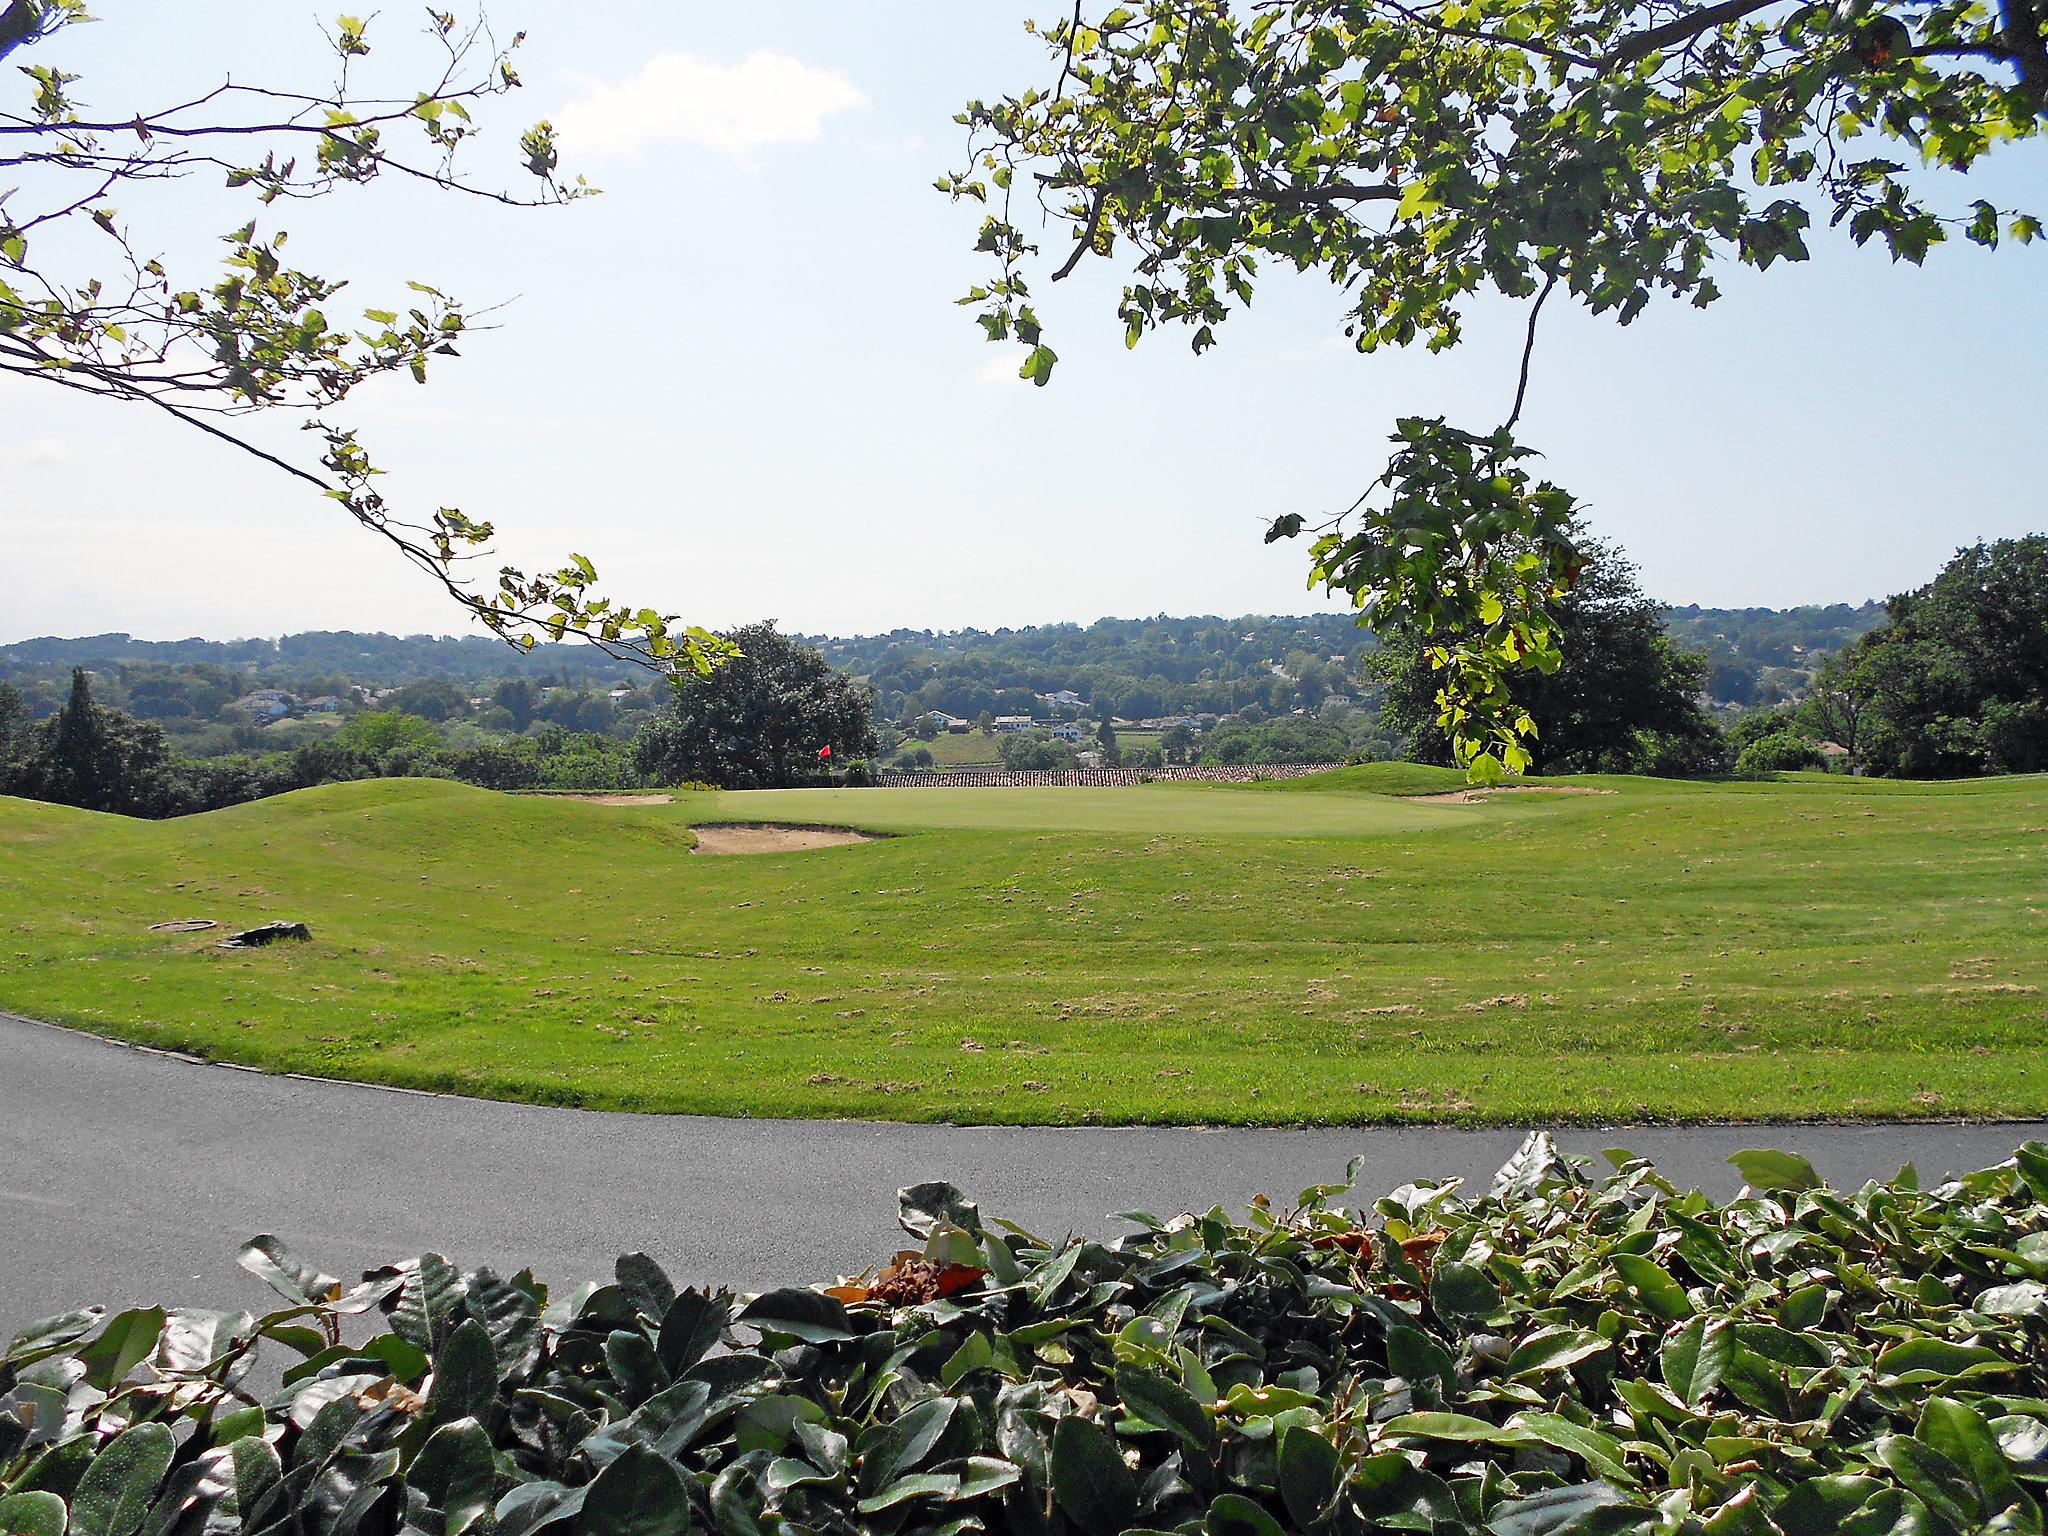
(1814, 947)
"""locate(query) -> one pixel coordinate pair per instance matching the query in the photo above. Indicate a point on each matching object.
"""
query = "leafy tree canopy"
(1417, 154)
(88, 304)
(1621, 699)
(763, 720)
(1957, 683)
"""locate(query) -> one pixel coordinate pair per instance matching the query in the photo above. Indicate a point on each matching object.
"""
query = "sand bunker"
(762, 837)
(610, 799)
(1478, 795)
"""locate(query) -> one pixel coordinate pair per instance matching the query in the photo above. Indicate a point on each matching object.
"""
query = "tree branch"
(1528, 351)
(1679, 29)
(21, 22)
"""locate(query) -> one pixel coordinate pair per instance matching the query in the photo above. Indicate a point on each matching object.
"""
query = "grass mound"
(1163, 953)
(1555, 1358)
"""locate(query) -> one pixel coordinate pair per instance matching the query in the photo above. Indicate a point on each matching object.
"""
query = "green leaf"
(1463, 1292)
(126, 1341)
(465, 1377)
(1460, 1427)
(1553, 1349)
(1925, 1360)
(1693, 1358)
(1940, 1483)
(1232, 1514)
(639, 1494)
(923, 1207)
(1961, 1434)
(689, 1329)
(119, 1485)
(1167, 1404)
(1601, 1453)
(1776, 1171)
(1090, 1482)
(35, 1513)
(1038, 366)
(900, 1446)
(1653, 1285)
(455, 1470)
(1307, 1472)
(1556, 1511)
(801, 1314)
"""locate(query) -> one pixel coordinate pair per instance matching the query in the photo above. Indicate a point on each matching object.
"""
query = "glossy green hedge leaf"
(639, 1494)
(51, 1333)
(1232, 1514)
(538, 1506)
(36, 1513)
(1169, 1405)
(1943, 1486)
(1553, 1349)
(120, 1484)
(1924, 1360)
(1776, 1171)
(1961, 1434)
(801, 1314)
(892, 1449)
(1463, 1292)
(922, 1207)
(1462, 1427)
(1653, 1285)
(646, 1282)
(1558, 1511)
(268, 1259)
(1090, 1482)
(1309, 1473)
(465, 1376)
(1693, 1358)
(914, 1486)
(127, 1340)
(457, 1473)
(1601, 1453)
(690, 1329)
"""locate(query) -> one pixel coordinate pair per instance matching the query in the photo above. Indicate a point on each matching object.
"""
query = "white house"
(1013, 722)
(1067, 730)
(1064, 698)
(267, 703)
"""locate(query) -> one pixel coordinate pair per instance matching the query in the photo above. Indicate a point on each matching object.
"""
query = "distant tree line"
(103, 759)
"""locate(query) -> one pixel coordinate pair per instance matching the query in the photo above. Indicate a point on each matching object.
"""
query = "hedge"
(1556, 1356)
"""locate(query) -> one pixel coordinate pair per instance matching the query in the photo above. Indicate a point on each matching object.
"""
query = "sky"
(738, 383)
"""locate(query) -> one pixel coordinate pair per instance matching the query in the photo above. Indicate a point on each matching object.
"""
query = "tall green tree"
(775, 716)
(1957, 682)
(100, 760)
(1417, 152)
(1621, 700)
(91, 305)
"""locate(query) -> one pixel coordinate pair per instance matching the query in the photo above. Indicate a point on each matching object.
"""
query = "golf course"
(1350, 948)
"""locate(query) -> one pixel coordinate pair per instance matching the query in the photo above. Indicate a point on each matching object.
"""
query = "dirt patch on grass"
(768, 837)
(1478, 796)
(627, 799)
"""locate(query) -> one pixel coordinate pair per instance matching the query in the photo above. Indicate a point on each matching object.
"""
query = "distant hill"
(1757, 655)
(1135, 668)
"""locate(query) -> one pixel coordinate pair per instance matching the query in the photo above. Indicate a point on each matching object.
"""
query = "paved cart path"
(129, 1176)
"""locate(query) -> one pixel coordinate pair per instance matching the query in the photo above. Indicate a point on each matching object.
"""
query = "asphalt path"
(128, 1176)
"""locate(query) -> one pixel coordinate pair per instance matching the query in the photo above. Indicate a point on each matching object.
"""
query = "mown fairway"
(1310, 951)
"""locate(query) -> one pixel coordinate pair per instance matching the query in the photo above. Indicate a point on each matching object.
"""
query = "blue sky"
(737, 380)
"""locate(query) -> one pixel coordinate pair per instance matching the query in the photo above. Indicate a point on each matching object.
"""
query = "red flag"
(824, 751)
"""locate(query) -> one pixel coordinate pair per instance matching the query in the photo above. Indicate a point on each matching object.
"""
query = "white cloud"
(44, 450)
(767, 98)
